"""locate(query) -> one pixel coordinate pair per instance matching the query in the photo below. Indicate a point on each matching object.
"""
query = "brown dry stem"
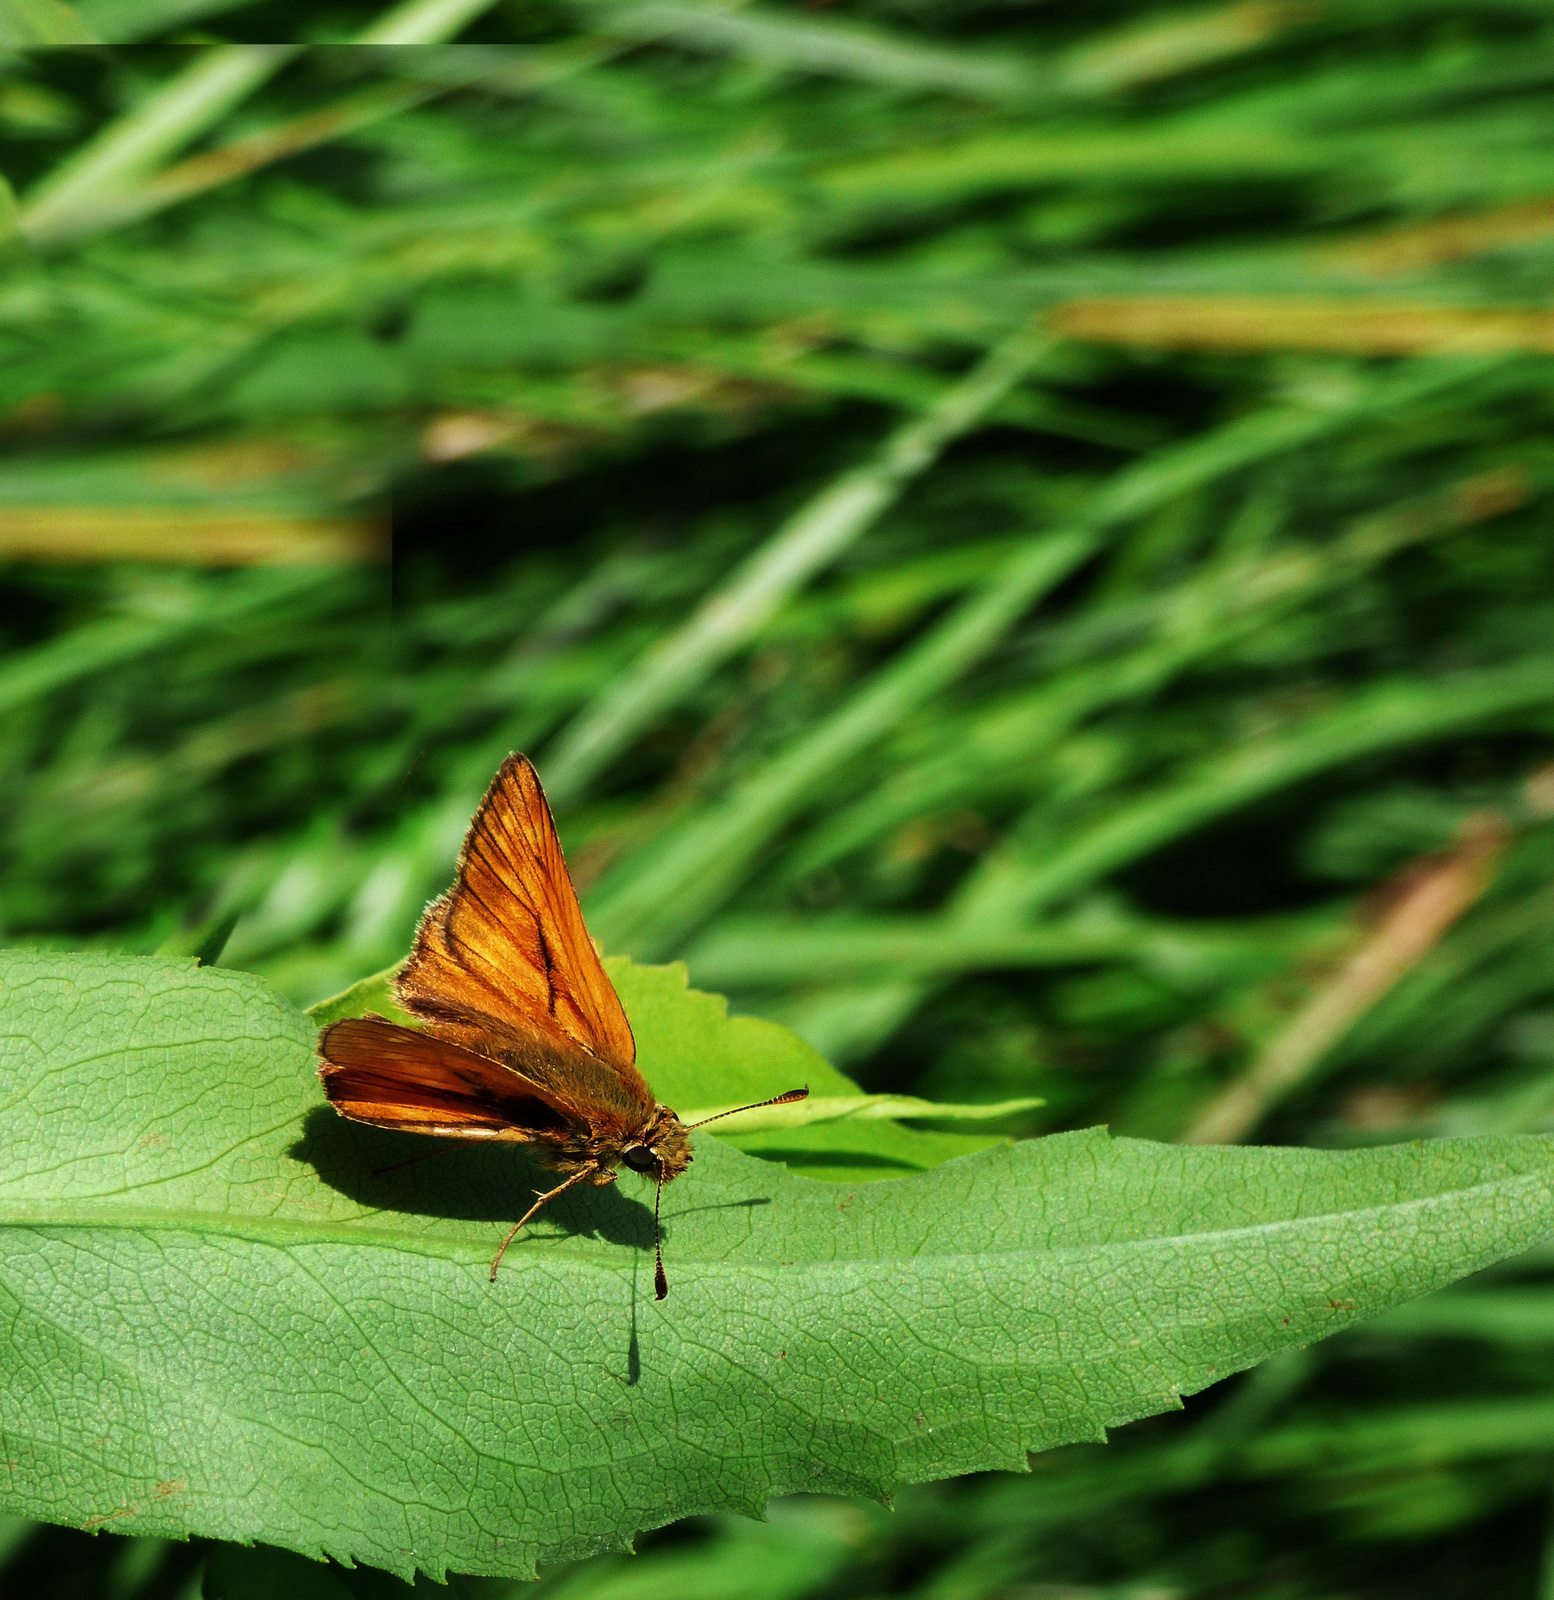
(1424, 903)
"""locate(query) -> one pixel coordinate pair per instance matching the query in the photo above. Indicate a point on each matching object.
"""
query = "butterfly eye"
(640, 1159)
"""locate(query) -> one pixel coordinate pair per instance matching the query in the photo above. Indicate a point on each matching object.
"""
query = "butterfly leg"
(544, 1199)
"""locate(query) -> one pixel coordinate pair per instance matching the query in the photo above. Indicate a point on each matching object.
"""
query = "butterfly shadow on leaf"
(492, 1183)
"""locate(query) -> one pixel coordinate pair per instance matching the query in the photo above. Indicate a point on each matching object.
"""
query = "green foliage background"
(1063, 772)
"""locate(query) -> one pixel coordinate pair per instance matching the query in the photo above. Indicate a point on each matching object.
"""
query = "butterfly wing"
(504, 961)
(405, 1078)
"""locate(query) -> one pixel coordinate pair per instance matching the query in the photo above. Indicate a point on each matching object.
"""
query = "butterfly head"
(663, 1148)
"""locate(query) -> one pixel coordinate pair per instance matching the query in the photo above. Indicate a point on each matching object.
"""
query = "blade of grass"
(810, 539)
(1453, 238)
(424, 21)
(1151, 482)
(63, 205)
(958, 171)
(143, 781)
(1414, 1436)
(1365, 328)
(521, 73)
(10, 224)
(187, 537)
(814, 46)
(1164, 47)
(204, 942)
(211, 169)
(1437, 1004)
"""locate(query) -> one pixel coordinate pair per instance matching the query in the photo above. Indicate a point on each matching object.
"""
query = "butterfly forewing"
(504, 955)
(377, 1072)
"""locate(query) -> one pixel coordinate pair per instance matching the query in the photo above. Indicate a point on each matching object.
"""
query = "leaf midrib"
(283, 1231)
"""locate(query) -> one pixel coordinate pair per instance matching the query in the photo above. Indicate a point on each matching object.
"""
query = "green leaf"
(224, 1318)
(373, 995)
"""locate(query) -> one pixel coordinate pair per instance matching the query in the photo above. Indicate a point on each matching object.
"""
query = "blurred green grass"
(1013, 535)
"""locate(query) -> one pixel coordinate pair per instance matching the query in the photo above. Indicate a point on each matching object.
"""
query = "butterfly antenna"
(787, 1098)
(660, 1278)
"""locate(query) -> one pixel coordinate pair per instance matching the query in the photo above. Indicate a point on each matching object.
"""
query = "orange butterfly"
(524, 1038)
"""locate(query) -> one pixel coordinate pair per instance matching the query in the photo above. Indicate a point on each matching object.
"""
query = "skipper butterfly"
(523, 1038)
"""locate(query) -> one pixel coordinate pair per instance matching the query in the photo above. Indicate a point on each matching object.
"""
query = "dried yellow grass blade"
(199, 538)
(1347, 327)
(1162, 49)
(1457, 238)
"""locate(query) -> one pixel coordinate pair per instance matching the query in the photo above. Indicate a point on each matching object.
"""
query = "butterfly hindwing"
(505, 954)
(377, 1072)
